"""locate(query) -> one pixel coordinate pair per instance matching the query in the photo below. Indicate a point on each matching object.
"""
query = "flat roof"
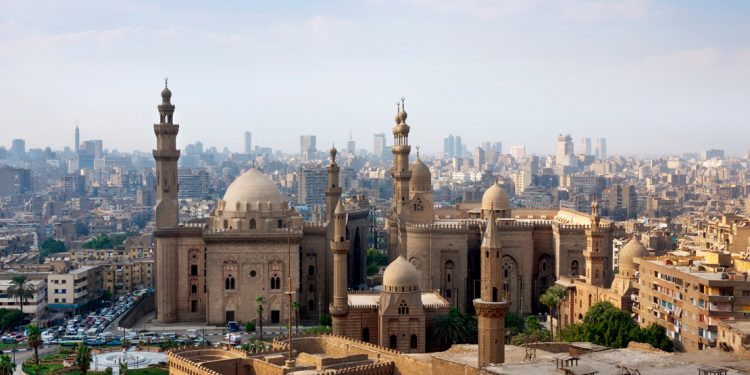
(740, 325)
(428, 298)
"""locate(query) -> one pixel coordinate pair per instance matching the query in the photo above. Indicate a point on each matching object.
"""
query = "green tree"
(514, 323)
(83, 358)
(109, 371)
(607, 325)
(51, 246)
(325, 320)
(259, 310)
(552, 298)
(295, 306)
(21, 289)
(7, 367)
(249, 327)
(375, 259)
(34, 335)
(10, 319)
(656, 336)
(451, 328)
(106, 295)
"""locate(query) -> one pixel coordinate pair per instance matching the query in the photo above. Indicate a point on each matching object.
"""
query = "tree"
(607, 325)
(325, 320)
(21, 289)
(83, 358)
(295, 306)
(10, 319)
(259, 310)
(451, 328)
(51, 246)
(552, 298)
(34, 335)
(656, 336)
(249, 327)
(514, 323)
(375, 259)
(7, 367)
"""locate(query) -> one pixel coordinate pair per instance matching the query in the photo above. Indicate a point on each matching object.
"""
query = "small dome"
(632, 249)
(251, 187)
(166, 94)
(333, 153)
(421, 178)
(400, 273)
(495, 198)
(402, 115)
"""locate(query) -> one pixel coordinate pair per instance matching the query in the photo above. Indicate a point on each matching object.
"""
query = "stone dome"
(166, 94)
(632, 249)
(495, 198)
(401, 274)
(421, 178)
(251, 187)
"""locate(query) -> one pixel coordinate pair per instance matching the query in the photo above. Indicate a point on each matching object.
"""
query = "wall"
(143, 306)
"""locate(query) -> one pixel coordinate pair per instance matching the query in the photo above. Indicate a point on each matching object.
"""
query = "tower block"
(490, 307)
(339, 308)
(166, 257)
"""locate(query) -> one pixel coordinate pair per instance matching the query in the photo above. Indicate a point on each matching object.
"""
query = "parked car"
(232, 326)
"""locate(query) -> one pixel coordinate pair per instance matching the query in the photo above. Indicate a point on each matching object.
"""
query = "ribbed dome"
(632, 249)
(421, 178)
(495, 198)
(401, 273)
(251, 187)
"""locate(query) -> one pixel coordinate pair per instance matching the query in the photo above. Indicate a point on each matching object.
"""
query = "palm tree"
(123, 368)
(259, 310)
(34, 335)
(21, 289)
(552, 298)
(83, 358)
(7, 367)
(295, 306)
(451, 328)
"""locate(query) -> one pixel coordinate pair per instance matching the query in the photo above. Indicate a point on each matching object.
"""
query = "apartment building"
(690, 297)
(34, 306)
(128, 276)
(74, 289)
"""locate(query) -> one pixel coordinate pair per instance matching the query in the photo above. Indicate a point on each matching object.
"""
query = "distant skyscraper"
(518, 152)
(564, 150)
(311, 186)
(458, 148)
(77, 144)
(248, 142)
(307, 147)
(351, 147)
(18, 148)
(601, 148)
(585, 146)
(478, 157)
(713, 154)
(449, 146)
(378, 144)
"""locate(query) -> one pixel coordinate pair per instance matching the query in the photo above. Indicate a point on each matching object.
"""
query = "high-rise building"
(351, 146)
(18, 148)
(479, 157)
(311, 186)
(600, 150)
(458, 148)
(307, 147)
(248, 142)
(14, 181)
(585, 147)
(379, 144)
(77, 144)
(449, 147)
(564, 151)
(712, 154)
(518, 151)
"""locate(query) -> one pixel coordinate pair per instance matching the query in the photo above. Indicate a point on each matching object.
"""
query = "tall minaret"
(333, 190)
(595, 253)
(490, 307)
(165, 257)
(166, 156)
(400, 170)
(339, 308)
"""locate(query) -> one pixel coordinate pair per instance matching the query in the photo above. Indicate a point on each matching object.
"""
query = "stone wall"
(142, 307)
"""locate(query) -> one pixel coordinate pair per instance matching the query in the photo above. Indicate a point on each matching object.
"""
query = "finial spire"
(166, 82)
(417, 151)
(403, 105)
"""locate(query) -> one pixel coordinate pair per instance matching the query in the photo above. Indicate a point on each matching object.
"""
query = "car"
(8, 340)
(232, 326)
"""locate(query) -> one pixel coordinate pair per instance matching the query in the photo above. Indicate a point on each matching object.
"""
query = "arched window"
(494, 294)
(574, 268)
(194, 289)
(366, 334)
(403, 308)
(311, 270)
(311, 305)
(252, 223)
(596, 274)
(392, 343)
(275, 282)
(413, 342)
(311, 288)
(229, 283)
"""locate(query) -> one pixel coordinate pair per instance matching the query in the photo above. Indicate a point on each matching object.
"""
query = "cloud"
(579, 10)
(317, 28)
(479, 8)
(599, 10)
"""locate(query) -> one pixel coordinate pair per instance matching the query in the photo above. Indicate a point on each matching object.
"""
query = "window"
(392, 342)
(193, 270)
(280, 223)
(252, 223)
(193, 305)
(494, 294)
(311, 270)
(403, 308)
(311, 305)
(366, 334)
(574, 268)
(194, 289)
(275, 282)
(311, 288)
(229, 283)
(413, 342)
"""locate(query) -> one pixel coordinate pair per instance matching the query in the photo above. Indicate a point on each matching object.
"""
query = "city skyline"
(507, 71)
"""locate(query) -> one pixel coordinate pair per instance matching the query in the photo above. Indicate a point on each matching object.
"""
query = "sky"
(653, 77)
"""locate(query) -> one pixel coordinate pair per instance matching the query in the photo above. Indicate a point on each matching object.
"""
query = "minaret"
(595, 254)
(490, 307)
(166, 254)
(339, 308)
(166, 156)
(400, 170)
(333, 190)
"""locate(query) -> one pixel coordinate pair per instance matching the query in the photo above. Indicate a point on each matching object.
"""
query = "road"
(22, 356)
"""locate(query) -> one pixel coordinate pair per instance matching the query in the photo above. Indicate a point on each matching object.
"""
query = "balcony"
(720, 299)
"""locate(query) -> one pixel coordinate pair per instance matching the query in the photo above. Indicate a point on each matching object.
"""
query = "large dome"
(401, 274)
(632, 249)
(251, 187)
(495, 198)
(421, 178)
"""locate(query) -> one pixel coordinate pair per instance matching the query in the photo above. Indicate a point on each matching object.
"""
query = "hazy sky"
(652, 77)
